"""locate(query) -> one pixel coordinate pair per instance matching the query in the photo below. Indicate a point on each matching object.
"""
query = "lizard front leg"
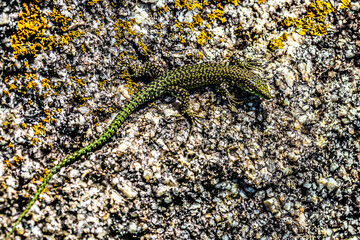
(224, 91)
(247, 63)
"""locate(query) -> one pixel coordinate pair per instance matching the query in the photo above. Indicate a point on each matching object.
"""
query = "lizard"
(177, 82)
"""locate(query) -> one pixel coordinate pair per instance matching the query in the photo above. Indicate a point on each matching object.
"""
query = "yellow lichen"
(6, 93)
(203, 37)
(10, 145)
(78, 81)
(189, 4)
(131, 86)
(83, 47)
(181, 38)
(29, 38)
(93, 2)
(217, 14)
(7, 163)
(344, 4)
(17, 159)
(278, 43)
(313, 22)
(46, 83)
(30, 28)
(121, 27)
(198, 18)
(39, 129)
(62, 21)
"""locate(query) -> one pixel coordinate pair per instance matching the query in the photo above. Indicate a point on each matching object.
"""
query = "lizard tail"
(124, 113)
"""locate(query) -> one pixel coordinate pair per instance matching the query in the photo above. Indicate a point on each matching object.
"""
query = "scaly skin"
(175, 82)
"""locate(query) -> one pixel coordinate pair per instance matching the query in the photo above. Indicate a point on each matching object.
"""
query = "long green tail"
(143, 96)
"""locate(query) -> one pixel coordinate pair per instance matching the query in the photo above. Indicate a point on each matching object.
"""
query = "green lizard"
(176, 82)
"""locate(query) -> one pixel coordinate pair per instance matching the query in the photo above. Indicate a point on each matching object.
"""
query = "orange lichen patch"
(217, 14)
(30, 28)
(278, 43)
(17, 159)
(83, 47)
(10, 145)
(102, 84)
(93, 2)
(41, 179)
(120, 27)
(162, 10)
(62, 21)
(39, 129)
(193, 4)
(68, 67)
(26, 64)
(12, 86)
(178, 25)
(142, 45)
(46, 172)
(31, 84)
(344, 4)
(97, 32)
(22, 86)
(6, 93)
(78, 96)
(239, 28)
(131, 86)
(159, 27)
(313, 22)
(69, 37)
(189, 4)
(7, 163)
(34, 141)
(198, 18)
(203, 37)
(46, 83)
(235, 2)
(319, 9)
(29, 37)
(78, 81)
(5, 123)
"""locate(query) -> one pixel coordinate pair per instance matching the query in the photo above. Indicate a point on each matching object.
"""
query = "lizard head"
(254, 84)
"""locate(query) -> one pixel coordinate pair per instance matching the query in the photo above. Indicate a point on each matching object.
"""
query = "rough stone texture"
(285, 168)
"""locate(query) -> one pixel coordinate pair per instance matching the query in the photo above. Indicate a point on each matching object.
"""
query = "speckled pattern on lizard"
(176, 82)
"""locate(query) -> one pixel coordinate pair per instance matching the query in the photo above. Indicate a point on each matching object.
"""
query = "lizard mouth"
(264, 95)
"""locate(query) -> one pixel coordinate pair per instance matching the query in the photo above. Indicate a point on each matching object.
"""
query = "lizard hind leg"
(184, 96)
(149, 70)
